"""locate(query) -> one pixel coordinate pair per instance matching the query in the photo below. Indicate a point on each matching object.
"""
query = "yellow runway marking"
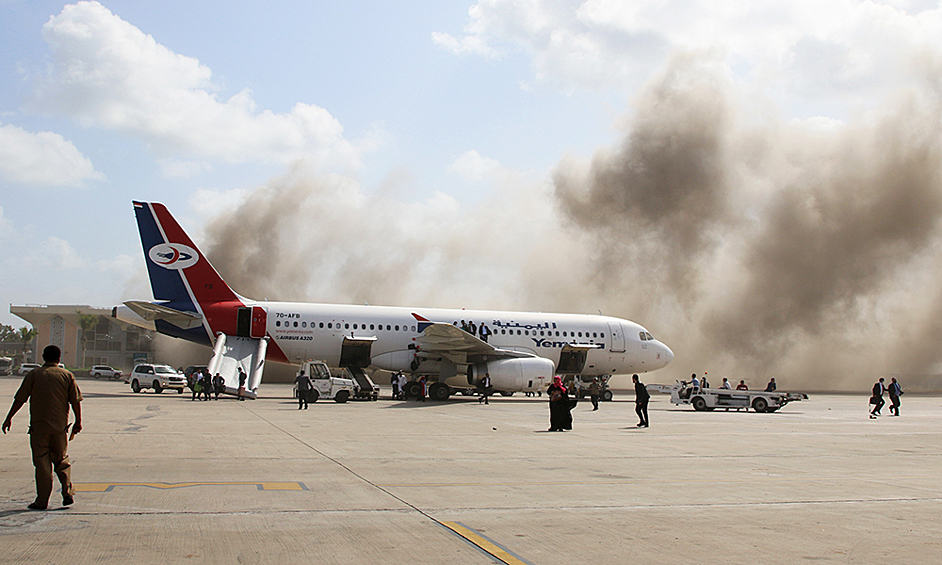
(108, 487)
(488, 546)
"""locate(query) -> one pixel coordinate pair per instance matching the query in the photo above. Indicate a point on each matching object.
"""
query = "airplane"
(520, 351)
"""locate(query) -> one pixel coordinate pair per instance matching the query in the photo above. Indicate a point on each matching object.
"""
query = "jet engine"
(529, 373)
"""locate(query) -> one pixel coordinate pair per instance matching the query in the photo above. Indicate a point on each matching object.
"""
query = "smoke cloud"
(753, 247)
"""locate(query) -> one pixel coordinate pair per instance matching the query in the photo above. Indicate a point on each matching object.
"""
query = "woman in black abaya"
(560, 406)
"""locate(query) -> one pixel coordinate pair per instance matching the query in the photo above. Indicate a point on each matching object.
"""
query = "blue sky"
(450, 114)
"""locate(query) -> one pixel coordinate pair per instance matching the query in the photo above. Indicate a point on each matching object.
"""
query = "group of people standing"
(876, 400)
(205, 385)
(399, 381)
(482, 332)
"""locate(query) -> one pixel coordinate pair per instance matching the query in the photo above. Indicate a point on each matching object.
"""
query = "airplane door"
(244, 322)
(618, 336)
(355, 351)
(259, 322)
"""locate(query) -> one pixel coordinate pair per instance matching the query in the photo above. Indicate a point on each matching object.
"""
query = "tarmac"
(162, 479)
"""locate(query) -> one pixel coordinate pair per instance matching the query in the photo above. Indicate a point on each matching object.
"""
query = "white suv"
(27, 367)
(99, 371)
(157, 377)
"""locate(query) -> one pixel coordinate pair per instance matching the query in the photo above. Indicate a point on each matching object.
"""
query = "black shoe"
(645, 425)
(67, 500)
(36, 506)
(640, 424)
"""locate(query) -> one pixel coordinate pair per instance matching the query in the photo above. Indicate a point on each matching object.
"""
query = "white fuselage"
(316, 331)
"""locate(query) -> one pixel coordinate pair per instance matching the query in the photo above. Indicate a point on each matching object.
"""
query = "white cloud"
(43, 159)
(108, 73)
(848, 51)
(473, 166)
(208, 203)
(55, 253)
(467, 45)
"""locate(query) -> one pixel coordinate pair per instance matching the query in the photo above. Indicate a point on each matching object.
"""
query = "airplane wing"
(457, 345)
(151, 312)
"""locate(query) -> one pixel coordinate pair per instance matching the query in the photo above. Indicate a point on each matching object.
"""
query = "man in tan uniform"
(50, 391)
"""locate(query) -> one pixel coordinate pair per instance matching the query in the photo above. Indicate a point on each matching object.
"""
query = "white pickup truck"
(709, 399)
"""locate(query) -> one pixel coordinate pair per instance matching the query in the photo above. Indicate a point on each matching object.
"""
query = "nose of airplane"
(666, 354)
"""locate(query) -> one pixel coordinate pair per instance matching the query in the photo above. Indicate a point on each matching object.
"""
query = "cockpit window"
(648, 336)
(643, 336)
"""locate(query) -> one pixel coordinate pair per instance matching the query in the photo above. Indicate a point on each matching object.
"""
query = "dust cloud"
(753, 247)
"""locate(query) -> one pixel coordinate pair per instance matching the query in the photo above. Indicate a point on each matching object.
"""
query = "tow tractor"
(326, 386)
(581, 385)
(709, 399)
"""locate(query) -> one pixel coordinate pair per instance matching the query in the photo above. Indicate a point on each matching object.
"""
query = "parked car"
(157, 377)
(99, 371)
(27, 367)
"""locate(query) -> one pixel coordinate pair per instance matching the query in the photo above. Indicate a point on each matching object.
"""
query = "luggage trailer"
(709, 399)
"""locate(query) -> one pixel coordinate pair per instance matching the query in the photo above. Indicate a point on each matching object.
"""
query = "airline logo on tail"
(174, 256)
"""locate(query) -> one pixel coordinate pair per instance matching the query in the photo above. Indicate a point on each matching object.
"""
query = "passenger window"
(397, 327)
(346, 326)
(580, 334)
(541, 332)
(518, 332)
(321, 325)
(303, 324)
(277, 324)
(594, 334)
(602, 335)
(330, 326)
(372, 327)
(387, 327)
(295, 324)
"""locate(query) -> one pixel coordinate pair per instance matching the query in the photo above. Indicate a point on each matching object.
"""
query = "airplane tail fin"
(180, 275)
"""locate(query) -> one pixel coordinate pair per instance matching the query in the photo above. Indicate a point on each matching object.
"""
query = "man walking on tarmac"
(641, 401)
(305, 386)
(877, 398)
(50, 391)
(594, 393)
(895, 392)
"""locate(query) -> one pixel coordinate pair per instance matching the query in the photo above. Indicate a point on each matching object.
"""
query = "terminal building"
(106, 342)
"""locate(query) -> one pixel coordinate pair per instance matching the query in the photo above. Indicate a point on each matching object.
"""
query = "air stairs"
(232, 352)
(366, 389)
